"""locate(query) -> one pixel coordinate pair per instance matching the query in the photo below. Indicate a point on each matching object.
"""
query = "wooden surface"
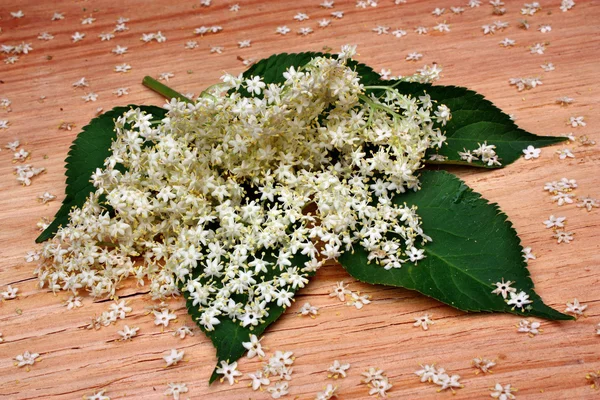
(78, 362)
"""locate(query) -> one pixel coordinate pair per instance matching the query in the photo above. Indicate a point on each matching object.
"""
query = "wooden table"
(78, 362)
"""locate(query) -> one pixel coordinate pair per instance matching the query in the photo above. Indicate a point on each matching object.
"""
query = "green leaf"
(474, 245)
(227, 336)
(475, 120)
(88, 152)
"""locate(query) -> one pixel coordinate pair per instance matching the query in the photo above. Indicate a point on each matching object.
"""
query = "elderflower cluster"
(213, 198)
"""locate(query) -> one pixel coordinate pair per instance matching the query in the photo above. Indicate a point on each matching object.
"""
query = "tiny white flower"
(122, 68)
(482, 364)
(163, 317)
(175, 390)
(531, 152)
(504, 288)
(165, 76)
(77, 36)
(372, 374)
(423, 321)
(90, 97)
(577, 121)
(576, 308)
(244, 43)
(97, 396)
(58, 16)
(565, 153)
(128, 333)
(338, 369)
(503, 392)
(183, 331)
(10, 293)
(305, 31)
(301, 17)
(555, 222)
(73, 302)
(26, 358)
(229, 371)
(414, 56)
(588, 202)
(380, 387)
(327, 394)
(258, 380)
(278, 390)
(308, 309)
(563, 237)
(174, 357)
(359, 301)
(254, 347)
(119, 50)
(121, 91)
(340, 291)
(518, 300)
(282, 30)
(532, 328)
(442, 27)
(17, 14)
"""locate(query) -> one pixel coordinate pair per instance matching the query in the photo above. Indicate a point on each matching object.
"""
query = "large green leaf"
(474, 245)
(88, 152)
(475, 120)
(228, 336)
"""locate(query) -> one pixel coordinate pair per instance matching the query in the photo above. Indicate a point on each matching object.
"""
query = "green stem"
(163, 90)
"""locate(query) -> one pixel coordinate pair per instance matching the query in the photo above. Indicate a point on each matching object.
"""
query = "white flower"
(255, 85)
(244, 43)
(165, 76)
(531, 152)
(482, 364)
(423, 321)
(119, 50)
(282, 30)
(73, 302)
(503, 392)
(525, 326)
(359, 301)
(518, 300)
(163, 317)
(26, 358)
(32, 256)
(308, 309)
(121, 91)
(301, 17)
(576, 121)
(182, 331)
(174, 357)
(122, 68)
(77, 36)
(380, 387)
(254, 347)
(338, 369)
(120, 309)
(340, 291)
(427, 373)
(98, 396)
(258, 380)
(328, 393)
(229, 371)
(442, 27)
(448, 382)
(555, 222)
(10, 293)
(128, 333)
(576, 308)
(588, 203)
(504, 288)
(372, 374)
(414, 56)
(381, 30)
(279, 389)
(563, 237)
(564, 153)
(175, 389)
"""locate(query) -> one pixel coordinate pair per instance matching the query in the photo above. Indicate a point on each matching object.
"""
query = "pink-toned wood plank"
(78, 362)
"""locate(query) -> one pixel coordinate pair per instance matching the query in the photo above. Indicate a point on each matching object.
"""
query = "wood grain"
(77, 362)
